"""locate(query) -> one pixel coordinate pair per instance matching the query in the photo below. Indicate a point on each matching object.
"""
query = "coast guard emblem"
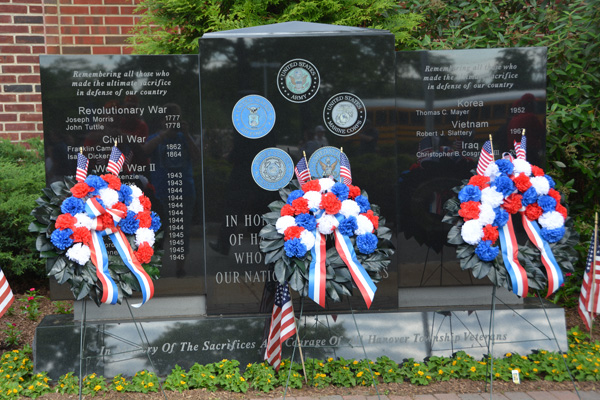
(298, 80)
(272, 169)
(344, 114)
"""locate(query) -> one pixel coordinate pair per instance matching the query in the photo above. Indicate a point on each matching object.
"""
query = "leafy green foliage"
(174, 26)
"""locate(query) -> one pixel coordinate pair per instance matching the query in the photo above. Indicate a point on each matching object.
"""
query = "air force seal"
(253, 116)
(298, 80)
(325, 162)
(344, 114)
(272, 169)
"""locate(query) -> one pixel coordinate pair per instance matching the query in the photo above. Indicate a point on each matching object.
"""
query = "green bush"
(20, 185)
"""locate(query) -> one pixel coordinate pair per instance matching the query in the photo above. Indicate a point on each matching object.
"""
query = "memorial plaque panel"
(447, 104)
(319, 85)
(149, 106)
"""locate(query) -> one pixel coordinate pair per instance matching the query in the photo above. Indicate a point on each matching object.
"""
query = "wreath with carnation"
(484, 234)
(71, 220)
(303, 225)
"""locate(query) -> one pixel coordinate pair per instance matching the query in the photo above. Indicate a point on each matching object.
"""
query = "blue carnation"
(341, 191)
(550, 181)
(547, 203)
(72, 205)
(96, 182)
(125, 195)
(486, 252)
(552, 235)
(366, 243)
(61, 239)
(296, 194)
(307, 221)
(348, 226)
(363, 203)
(501, 217)
(504, 185)
(530, 196)
(469, 193)
(294, 248)
(155, 224)
(130, 224)
(505, 166)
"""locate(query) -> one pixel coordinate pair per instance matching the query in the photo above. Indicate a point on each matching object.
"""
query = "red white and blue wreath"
(74, 217)
(314, 213)
(484, 228)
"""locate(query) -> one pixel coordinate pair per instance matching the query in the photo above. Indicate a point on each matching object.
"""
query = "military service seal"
(344, 114)
(298, 80)
(253, 116)
(272, 169)
(325, 162)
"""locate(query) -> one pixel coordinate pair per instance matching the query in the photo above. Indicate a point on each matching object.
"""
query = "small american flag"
(521, 148)
(6, 295)
(588, 304)
(82, 167)
(302, 172)
(345, 173)
(283, 325)
(115, 163)
(485, 158)
(425, 149)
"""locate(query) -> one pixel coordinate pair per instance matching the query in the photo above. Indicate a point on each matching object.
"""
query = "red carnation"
(120, 206)
(65, 221)
(145, 202)
(312, 186)
(512, 204)
(81, 189)
(522, 182)
(469, 210)
(555, 195)
(287, 210)
(293, 232)
(354, 192)
(480, 181)
(330, 203)
(300, 206)
(373, 218)
(490, 232)
(537, 171)
(562, 209)
(533, 211)
(144, 253)
(145, 219)
(82, 235)
(106, 220)
(113, 181)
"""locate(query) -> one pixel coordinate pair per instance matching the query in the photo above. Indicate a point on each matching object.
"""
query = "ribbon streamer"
(555, 276)
(510, 250)
(317, 270)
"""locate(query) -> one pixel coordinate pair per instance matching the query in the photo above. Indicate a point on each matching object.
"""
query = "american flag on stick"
(521, 147)
(115, 163)
(283, 325)
(6, 294)
(345, 173)
(302, 171)
(82, 167)
(485, 157)
(588, 298)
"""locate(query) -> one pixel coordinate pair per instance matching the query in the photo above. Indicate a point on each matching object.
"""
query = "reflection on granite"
(115, 348)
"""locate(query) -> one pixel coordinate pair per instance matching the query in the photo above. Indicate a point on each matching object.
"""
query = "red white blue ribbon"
(110, 293)
(553, 272)
(361, 278)
(510, 251)
(317, 270)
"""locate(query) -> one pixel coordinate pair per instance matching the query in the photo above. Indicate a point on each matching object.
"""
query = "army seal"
(344, 114)
(253, 116)
(272, 169)
(298, 80)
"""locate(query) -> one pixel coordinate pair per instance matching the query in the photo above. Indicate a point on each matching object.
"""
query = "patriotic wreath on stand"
(313, 213)
(483, 228)
(72, 218)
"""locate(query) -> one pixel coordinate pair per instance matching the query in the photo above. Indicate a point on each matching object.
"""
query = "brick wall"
(29, 28)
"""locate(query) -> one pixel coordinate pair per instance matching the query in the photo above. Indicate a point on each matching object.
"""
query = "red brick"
(36, 9)
(30, 98)
(28, 59)
(30, 117)
(125, 10)
(51, 30)
(53, 50)
(104, 10)
(28, 1)
(7, 40)
(66, 20)
(12, 9)
(31, 135)
(51, 19)
(127, 50)
(87, 20)
(87, 1)
(19, 107)
(126, 30)
(89, 40)
(118, 40)
(67, 40)
(29, 79)
(104, 30)
(5, 19)
(118, 20)
(12, 29)
(8, 79)
(126, 2)
(77, 50)
(106, 50)
(8, 98)
(15, 49)
(36, 69)
(7, 117)
(75, 30)
(38, 29)
(52, 40)
(50, 10)
(13, 137)
(16, 69)
(38, 107)
(7, 59)
(50, 2)
(29, 39)
(20, 127)
(78, 10)
(38, 49)
(28, 19)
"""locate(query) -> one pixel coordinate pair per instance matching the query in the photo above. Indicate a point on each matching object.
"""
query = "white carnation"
(472, 232)
(491, 196)
(144, 235)
(79, 253)
(492, 171)
(83, 221)
(314, 199)
(364, 225)
(135, 191)
(307, 239)
(551, 220)
(326, 184)
(521, 166)
(109, 197)
(284, 222)
(541, 185)
(326, 224)
(350, 208)
(135, 205)
(486, 214)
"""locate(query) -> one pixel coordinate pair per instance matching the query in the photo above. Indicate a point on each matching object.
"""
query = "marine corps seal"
(298, 80)
(344, 114)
